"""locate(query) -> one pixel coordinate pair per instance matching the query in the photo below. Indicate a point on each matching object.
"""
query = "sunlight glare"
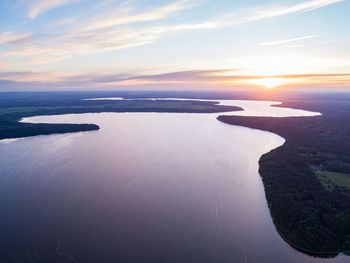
(269, 83)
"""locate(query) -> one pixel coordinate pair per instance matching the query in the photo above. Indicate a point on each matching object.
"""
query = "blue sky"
(184, 44)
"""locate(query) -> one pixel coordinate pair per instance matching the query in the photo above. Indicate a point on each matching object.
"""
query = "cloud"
(302, 7)
(27, 50)
(31, 76)
(190, 78)
(122, 15)
(116, 29)
(188, 75)
(85, 42)
(3, 64)
(286, 10)
(38, 7)
(278, 42)
(41, 60)
(314, 75)
(223, 77)
(92, 36)
(259, 13)
(11, 37)
(328, 41)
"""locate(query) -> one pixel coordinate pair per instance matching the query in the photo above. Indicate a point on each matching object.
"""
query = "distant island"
(307, 180)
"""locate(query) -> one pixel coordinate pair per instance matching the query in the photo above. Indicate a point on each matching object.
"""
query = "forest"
(307, 214)
(14, 106)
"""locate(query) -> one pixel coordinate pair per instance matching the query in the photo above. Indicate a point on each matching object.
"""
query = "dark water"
(147, 187)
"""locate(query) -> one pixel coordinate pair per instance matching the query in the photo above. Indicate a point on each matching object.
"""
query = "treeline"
(18, 130)
(307, 215)
(14, 106)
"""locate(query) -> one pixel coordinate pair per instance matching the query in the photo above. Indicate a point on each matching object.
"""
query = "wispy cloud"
(8, 37)
(116, 29)
(328, 41)
(278, 42)
(302, 7)
(314, 75)
(125, 16)
(198, 75)
(31, 76)
(191, 78)
(3, 64)
(38, 7)
(259, 13)
(188, 75)
(94, 35)
(41, 60)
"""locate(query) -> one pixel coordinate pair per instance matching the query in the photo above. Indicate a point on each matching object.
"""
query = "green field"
(330, 179)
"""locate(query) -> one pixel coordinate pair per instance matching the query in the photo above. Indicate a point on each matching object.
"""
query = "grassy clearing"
(331, 179)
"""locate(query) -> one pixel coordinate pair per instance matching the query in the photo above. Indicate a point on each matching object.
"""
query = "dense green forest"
(307, 213)
(14, 106)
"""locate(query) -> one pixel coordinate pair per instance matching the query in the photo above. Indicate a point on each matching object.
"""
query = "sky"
(174, 45)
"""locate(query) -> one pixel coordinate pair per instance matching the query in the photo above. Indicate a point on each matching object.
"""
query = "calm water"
(147, 187)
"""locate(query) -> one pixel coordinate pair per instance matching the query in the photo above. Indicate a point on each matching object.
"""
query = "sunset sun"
(269, 83)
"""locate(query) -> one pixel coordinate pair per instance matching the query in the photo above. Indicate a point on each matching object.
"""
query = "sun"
(269, 83)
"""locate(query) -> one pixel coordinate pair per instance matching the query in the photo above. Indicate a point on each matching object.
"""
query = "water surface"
(146, 187)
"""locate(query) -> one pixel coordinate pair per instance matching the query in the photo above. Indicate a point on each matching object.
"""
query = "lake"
(146, 187)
